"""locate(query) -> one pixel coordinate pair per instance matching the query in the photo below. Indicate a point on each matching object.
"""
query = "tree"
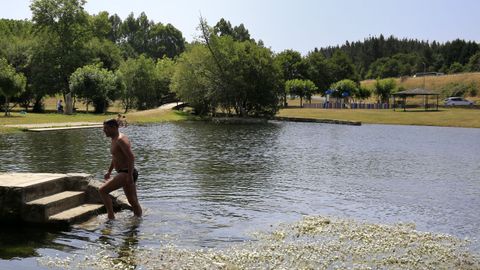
(342, 67)
(301, 88)
(456, 67)
(143, 36)
(11, 83)
(474, 63)
(291, 66)
(318, 70)
(236, 77)
(16, 46)
(195, 80)
(345, 88)
(224, 28)
(104, 52)
(96, 85)
(383, 89)
(64, 25)
(101, 25)
(164, 70)
(145, 82)
(363, 93)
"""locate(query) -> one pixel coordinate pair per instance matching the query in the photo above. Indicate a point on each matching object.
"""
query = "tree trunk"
(6, 106)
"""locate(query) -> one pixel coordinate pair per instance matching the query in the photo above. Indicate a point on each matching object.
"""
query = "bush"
(460, 89)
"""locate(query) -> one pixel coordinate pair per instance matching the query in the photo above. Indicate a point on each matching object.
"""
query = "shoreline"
(456, 117)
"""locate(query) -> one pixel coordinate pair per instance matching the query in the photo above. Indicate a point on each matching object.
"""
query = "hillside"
(436, 83)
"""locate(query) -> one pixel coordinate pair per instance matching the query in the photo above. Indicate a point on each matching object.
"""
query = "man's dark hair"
(111, 123)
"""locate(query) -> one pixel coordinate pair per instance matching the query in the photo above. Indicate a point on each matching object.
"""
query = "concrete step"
(77, 214)
(45, 186)
(40, 210)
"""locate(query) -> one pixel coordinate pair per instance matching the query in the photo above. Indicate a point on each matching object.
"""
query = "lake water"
(207, 185)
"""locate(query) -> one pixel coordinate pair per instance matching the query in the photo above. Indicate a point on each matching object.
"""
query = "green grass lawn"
(152, 116)
(451, 117)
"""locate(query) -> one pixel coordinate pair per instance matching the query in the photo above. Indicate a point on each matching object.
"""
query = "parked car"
(457, 101)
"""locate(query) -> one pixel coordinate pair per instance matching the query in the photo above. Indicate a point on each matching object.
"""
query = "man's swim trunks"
(135, 173)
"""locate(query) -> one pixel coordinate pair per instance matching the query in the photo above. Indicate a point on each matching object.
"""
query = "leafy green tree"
(16, 45)
(101, 25)
(140, 77)
(64, 25)
(455, 68)
(363, 93)
(292, 67)
(164, 70)
(318, 70)
(224, 28)
(11, 83)
(143, 36)
(96, 85)
(115, 31)
(342, 67)
(236, 77)
(104, 52)
(383, 89)
(345, 88)
(195, 79)
(301, 88)
(474, 63)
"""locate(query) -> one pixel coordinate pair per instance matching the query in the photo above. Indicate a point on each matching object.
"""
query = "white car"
(457, 101)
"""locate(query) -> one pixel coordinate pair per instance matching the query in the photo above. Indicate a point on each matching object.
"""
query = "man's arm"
(107, 175)
(127, 150)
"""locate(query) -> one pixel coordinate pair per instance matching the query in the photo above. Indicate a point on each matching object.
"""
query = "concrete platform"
(52, 199)
(27, 179)
(63, 128)
(56, 126)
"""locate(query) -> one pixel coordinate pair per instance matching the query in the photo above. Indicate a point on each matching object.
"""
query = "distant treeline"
(392, 57)
(103, 58)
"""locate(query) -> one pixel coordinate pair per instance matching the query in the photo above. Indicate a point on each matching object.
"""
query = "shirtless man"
(122, 162)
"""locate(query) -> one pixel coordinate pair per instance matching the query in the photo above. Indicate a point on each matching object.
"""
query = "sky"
(301, 25)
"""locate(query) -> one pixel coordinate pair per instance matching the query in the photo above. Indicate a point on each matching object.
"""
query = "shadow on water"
(119, 238)
(23, 242)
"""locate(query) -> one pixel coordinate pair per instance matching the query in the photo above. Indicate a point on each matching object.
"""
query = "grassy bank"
(151, 116)
(445, 117)
(435, 83)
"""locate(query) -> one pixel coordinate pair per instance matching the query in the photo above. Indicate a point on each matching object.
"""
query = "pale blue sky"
(301, 25)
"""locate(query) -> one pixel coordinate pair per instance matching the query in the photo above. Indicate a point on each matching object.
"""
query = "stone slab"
(22, 180)
(79, 212)
(62, 128)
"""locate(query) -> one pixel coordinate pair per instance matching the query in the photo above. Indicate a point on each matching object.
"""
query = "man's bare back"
(123, 162)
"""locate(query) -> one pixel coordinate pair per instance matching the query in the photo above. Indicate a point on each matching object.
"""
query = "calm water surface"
(207, 185)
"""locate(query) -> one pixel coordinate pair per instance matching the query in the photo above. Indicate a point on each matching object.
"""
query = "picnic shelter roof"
(416, 91)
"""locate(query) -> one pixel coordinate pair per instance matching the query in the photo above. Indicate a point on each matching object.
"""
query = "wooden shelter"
(415, 92)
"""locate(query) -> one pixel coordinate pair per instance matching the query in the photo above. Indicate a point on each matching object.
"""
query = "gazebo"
(415, 92)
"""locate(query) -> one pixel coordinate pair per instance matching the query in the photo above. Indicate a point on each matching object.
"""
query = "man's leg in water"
(130, 190)
(117, 182)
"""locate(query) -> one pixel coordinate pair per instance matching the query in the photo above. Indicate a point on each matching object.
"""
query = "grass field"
(447, 117)
(435, 83)
(151, 116)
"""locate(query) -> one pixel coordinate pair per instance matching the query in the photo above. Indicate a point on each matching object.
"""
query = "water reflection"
(23, 242)
(120, 238)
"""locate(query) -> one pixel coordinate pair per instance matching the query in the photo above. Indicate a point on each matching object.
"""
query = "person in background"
(59, 106)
